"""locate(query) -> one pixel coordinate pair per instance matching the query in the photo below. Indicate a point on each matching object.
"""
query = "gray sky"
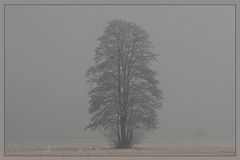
(49, 48)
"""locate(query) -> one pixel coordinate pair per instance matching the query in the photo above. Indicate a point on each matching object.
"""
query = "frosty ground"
(100, 146)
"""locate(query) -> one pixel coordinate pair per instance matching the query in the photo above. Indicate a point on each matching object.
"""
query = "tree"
(125, 96)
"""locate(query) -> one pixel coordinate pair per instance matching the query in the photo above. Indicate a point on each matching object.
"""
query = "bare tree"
(125, 96)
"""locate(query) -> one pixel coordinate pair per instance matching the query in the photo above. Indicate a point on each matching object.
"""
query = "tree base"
(124, 146)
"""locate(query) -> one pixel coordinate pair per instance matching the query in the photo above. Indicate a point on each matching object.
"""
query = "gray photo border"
(65, 2)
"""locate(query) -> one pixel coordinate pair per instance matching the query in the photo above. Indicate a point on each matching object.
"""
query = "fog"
(49, 49)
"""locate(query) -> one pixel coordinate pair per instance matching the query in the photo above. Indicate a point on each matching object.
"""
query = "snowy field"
(100, 146)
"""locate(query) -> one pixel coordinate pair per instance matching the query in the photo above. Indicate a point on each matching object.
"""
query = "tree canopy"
(125, 93)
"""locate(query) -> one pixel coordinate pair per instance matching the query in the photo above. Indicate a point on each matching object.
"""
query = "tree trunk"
(123, 133)
(125, 140)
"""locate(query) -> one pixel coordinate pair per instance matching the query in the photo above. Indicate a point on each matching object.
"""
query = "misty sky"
(49, 49)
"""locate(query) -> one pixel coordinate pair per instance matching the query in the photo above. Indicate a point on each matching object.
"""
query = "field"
(100, 146)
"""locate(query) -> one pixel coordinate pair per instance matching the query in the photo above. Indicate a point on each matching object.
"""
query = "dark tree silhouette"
(125, 96)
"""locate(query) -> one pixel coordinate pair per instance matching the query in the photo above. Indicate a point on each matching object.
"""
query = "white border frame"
(102, 2)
